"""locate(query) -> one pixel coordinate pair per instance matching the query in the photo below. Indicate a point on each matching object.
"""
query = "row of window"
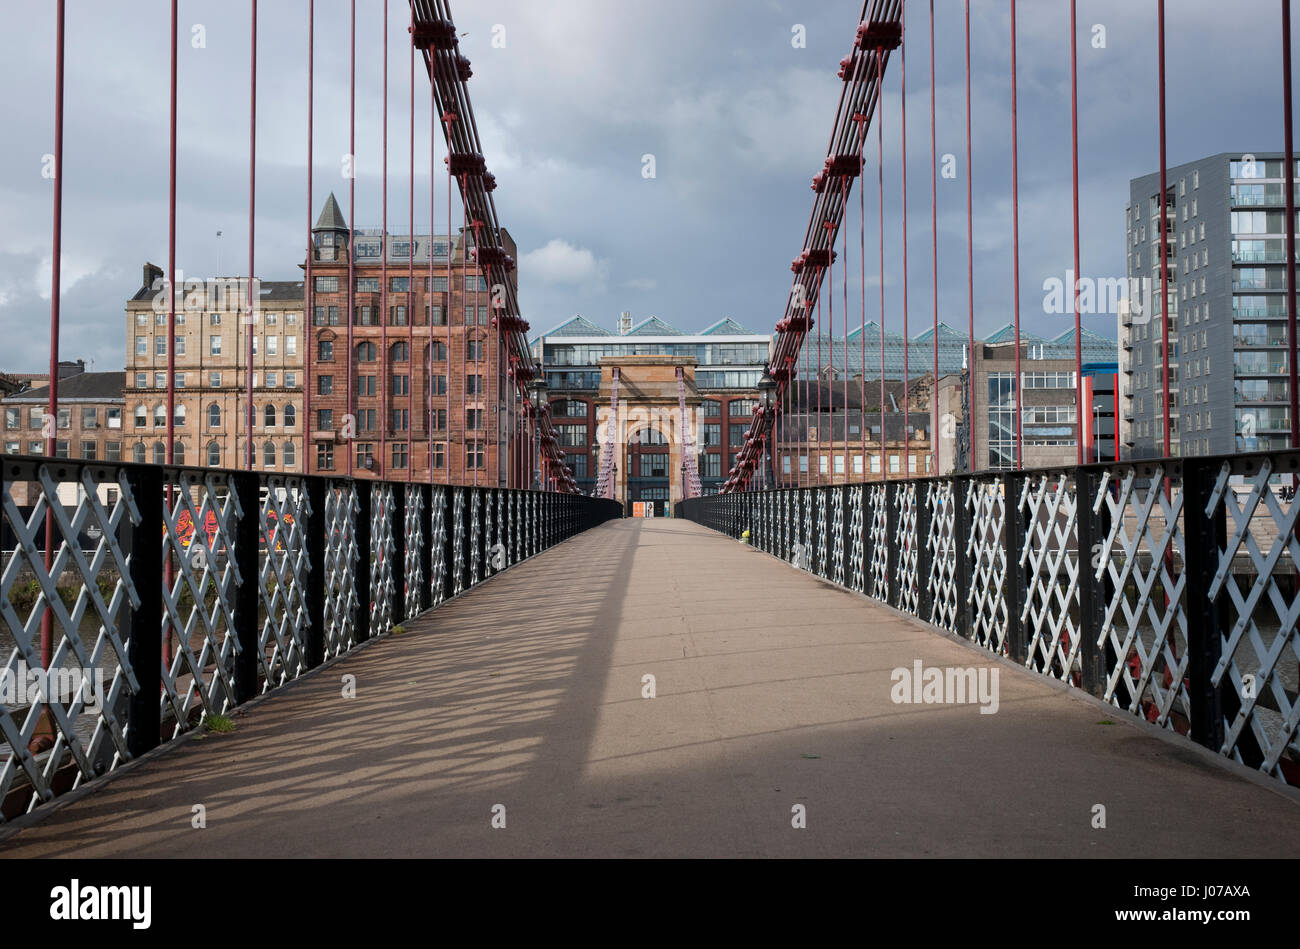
(141, 453)
(475, 455)
(272, 346)
(268, 416)
(214, 380)
(706, 354)
(400, 284)
(214, 319)
(36, 417)
(397, 316)
(827, 463)
(367, 420)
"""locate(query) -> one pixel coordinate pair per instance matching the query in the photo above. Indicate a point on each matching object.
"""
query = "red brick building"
(428, 382)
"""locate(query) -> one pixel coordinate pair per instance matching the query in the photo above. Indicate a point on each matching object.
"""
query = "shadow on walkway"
(772, 690)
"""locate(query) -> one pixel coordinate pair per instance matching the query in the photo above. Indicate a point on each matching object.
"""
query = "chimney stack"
(624, 323)
(151, 273)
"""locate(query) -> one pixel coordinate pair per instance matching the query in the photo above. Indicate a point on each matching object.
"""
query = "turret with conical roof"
(331, 231)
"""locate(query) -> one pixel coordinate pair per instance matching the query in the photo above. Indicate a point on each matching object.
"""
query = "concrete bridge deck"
(773, 690)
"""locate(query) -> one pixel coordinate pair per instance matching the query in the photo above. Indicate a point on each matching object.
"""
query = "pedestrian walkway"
(524, 703)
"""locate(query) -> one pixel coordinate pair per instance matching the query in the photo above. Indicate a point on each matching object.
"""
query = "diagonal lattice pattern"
(1260, 645)
(414, 523)
(199, 580)
(857, 575)
(878, 499)
(84, 636)
(986, 549)
(342, 557)
(170, 595)
(438, 544)
(1049, 562)
(942, 545)
(906, 543)
(1144, 628)
(282, 580)
(457, 541)
(823, 541)
(837, 536)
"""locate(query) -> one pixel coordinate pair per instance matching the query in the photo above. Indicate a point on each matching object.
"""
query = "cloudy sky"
(736, 117)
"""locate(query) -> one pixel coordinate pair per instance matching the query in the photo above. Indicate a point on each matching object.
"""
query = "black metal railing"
(172, 595)
(1182, 610)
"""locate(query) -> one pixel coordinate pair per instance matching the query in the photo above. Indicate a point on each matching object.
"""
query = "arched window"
(159, 453)
(290, 455)
(439, 351)
(160, 416)
(178, 453)
(290, 416)
(214, 454)
(647, 436)
(214, 416)
(270, 416)
(268, 454)
(365, 352)
(400, 352)
(137, 452)
(180, 415)
(141, 418)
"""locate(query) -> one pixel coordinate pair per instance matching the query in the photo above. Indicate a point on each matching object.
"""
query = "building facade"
(211, 379)
(721, 366)
(1051, 424)
(1228, 337)
(88, 425)
(432, 395)
(829, 433)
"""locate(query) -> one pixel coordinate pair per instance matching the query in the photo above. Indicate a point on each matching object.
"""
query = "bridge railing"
(1167, 588)
(172, 595)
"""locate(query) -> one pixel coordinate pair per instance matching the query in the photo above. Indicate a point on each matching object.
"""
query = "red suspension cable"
(970, 266)
(448, 118)
(880, 169)
(907, 339)
(862, 250)
(1078, 341)
(410, 280)
(349, 418)
(386, 363)
(171, 269)
(1164, 223)
(432, 294)
(934, 254)
(844, 277)
(56, 261)
(1015, 241)
(1294, 378)
(252, 301)
(309, 317)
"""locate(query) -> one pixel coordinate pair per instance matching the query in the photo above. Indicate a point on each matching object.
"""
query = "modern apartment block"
(1228, 338)
(431, 394)
(211, 379)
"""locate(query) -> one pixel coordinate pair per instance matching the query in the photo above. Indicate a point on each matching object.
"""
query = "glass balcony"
(1259, 363)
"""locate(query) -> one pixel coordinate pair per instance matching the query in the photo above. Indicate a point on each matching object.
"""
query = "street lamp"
(539, 400)
(766, 387)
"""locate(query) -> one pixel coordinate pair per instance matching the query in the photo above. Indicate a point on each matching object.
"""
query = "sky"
(569, 97)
